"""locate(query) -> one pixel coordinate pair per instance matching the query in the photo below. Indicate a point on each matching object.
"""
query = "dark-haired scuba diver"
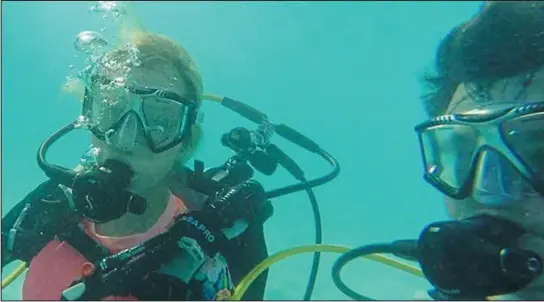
(132, 223)
(484, 149)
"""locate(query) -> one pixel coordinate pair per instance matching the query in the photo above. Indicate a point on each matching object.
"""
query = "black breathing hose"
(61, 175)
(312, 183)
(318, 240)
(292, 167)
(307, 186)
(407, 249)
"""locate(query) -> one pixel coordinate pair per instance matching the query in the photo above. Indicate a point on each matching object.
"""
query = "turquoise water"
(346, 74)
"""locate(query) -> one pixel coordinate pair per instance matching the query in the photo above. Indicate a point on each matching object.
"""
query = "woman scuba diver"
(141, 105)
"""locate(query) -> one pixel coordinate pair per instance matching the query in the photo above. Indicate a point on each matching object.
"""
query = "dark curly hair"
(504, 39)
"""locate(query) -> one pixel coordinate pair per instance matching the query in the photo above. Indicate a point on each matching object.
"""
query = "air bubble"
(109, 7)
(120, 81)
(81, 122)
(89, 159)
(85, 74)
(89, 42)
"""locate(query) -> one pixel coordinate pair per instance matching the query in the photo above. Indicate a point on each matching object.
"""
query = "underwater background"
(346, 74)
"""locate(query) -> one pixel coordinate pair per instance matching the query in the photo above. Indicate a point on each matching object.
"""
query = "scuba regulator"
(101, 194)
(470, 259)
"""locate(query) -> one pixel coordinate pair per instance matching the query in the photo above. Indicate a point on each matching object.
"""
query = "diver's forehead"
(526, 88)
(465, 101)
(164, 79)
(154, 73)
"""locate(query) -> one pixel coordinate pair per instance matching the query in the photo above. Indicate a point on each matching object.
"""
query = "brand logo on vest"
(199, 226)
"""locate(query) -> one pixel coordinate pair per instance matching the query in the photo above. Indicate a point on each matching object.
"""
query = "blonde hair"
(151, 46)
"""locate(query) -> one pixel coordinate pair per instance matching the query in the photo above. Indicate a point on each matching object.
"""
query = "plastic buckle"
(13, 232)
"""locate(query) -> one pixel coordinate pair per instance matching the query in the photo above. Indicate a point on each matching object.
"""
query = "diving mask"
(495, 154)
(118, 114)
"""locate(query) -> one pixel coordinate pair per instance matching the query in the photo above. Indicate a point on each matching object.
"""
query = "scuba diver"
(483, 149)
(132, 222)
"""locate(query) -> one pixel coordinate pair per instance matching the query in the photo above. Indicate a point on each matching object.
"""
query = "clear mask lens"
(525, 136)
(120, 115)
(448, 153)
(498, 182)
(500, 158)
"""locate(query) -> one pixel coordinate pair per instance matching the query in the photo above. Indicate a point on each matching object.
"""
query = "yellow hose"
(16, 273)
(265, 264)
(212, 97)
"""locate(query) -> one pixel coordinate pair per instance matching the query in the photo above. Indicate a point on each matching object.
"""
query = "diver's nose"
(125, 135)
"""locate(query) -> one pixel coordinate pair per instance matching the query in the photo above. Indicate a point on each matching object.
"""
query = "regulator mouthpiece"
(476, 258)
(101, 194)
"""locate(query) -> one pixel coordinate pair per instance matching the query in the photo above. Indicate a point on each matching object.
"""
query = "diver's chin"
(142, 185)
(138, 186)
